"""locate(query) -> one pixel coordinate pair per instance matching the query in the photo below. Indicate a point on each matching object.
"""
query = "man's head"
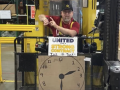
(67, 12)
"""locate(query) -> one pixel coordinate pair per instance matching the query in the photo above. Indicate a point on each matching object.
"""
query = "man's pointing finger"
(51, 18)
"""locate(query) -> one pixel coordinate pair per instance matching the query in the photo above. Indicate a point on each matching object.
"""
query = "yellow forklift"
(99, 70)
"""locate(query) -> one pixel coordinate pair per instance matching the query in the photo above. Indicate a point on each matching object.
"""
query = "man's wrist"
(56, 26)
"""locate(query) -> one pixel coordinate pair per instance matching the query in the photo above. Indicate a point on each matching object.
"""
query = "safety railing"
(7, 40)
(7, 27)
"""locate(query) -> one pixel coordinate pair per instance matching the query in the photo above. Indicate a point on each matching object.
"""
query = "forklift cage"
(26, 62)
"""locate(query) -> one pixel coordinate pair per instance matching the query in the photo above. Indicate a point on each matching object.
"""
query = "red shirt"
(57, 19)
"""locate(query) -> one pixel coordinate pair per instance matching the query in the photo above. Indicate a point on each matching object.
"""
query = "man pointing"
(63, 25)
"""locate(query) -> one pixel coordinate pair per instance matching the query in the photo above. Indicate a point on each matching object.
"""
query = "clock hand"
(61, 85)
(70, 72)
(61, 76)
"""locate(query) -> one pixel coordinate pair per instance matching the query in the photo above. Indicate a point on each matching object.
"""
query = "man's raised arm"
(43, 19)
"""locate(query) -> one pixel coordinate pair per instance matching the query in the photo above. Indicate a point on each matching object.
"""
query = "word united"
(63, 40)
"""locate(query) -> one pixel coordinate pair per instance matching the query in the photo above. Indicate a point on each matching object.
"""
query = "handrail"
(7, 39)
(0, 66)
(9, 27)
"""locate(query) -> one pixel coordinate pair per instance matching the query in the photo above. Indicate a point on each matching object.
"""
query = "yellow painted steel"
(0, 66)
(9, 27)
(6, 40)
(30, 31)
(39, 31)
(6, 27)
(89, 15)
(27, 13)
(10, 81)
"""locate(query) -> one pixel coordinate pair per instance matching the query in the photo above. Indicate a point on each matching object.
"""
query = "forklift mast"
(111, 30)
(110, 47)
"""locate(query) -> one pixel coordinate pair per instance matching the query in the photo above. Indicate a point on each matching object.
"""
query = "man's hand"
(43, 19)
(53, 23)
(46, 22)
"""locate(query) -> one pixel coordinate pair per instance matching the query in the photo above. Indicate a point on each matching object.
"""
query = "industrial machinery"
(101, 72)
(107, 25)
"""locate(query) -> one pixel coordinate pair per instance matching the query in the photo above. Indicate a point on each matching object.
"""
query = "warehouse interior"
(23, 22)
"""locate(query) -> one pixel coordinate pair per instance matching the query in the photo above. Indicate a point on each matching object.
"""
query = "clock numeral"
(78, 68)
(80, 75)
(44, 83)
(41, 74)
(73, 63)
(60, 59)
(78, 84)
(44, 66)
(49, 61)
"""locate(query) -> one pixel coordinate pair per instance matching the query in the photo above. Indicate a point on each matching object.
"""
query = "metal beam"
(4, 40)
(7, 39)
(5, 27)
(0, 66)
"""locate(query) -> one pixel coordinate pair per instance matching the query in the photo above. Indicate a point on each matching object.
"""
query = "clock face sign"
(61, 73)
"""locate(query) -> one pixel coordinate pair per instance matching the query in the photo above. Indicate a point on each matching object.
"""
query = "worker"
(63, 25)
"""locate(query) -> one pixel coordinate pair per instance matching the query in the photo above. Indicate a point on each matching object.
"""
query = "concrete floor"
(7, 59)
(8, 66)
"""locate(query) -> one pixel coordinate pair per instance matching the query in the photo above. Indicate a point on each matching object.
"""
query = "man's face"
(67, 15)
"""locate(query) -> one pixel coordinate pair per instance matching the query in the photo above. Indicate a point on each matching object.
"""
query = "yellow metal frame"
(9, 27)
(7, 39)
(89, 16)
(27, 13)
(0, 66)
(29, 30)
(4, 40)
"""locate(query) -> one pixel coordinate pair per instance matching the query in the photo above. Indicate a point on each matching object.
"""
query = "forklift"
(103, 71)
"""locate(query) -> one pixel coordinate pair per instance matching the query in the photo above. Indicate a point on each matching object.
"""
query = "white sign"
(32, 12)
(5, 14)
(62, 46)
(85, 3)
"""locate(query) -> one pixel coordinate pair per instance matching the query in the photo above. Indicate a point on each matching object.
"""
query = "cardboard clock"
(61, 73)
